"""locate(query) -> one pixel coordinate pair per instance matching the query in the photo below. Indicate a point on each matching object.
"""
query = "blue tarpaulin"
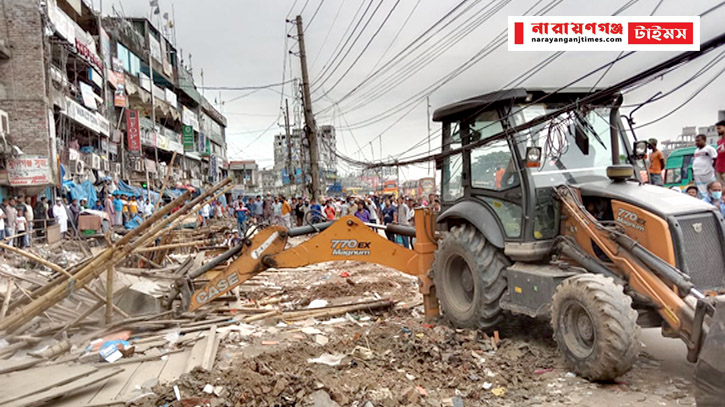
(86, 191)
(125, 189)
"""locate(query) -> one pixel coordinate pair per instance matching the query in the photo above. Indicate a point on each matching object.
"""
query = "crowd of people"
(708, 169)
(371, 208)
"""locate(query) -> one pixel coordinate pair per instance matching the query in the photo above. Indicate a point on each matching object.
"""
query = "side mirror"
(640, 149)
(533, 157)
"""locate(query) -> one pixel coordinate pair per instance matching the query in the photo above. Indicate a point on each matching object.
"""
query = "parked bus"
(390, 188)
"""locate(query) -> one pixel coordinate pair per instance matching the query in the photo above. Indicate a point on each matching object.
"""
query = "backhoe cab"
(546, 215)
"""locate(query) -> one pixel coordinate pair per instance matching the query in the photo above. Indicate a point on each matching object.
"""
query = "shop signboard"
(188, 138)
(28, 170)
(133, 131)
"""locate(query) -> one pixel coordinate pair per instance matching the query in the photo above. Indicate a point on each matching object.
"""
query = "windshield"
(576, 145)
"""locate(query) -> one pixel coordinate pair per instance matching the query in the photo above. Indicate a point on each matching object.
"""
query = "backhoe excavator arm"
(679, 304)
(346, 239)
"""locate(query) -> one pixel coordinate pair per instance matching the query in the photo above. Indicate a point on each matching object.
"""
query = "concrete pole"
(309, 117)
(289, 147)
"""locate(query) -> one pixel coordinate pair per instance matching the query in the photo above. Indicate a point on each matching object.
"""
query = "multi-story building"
(328, 155)
(85, 98)
(298, 151)
(245, 174)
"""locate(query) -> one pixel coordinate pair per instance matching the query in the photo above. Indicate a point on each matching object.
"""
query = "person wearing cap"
(656, 164)
(60, 215)
(117, 210)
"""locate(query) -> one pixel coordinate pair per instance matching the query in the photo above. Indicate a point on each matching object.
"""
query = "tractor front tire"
(467, 273)
(595, 326)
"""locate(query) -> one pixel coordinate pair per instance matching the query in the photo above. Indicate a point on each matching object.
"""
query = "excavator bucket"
(710, 368)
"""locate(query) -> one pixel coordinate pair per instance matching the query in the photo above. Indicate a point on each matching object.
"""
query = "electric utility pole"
(310, 127)
(289, 146)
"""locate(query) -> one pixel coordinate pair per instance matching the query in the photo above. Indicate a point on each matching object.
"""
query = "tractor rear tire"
(595, 326)
(467, 272)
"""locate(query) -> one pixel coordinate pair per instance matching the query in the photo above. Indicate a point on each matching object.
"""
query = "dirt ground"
(395, 358)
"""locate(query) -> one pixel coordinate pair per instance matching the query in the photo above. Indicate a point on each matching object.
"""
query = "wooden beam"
(109, 294)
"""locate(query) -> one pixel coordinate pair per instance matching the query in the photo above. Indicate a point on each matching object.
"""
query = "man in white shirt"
(205, 212)
(703, 165)
(60, 215)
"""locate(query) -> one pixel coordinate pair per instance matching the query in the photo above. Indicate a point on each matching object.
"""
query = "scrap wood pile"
(95, 329)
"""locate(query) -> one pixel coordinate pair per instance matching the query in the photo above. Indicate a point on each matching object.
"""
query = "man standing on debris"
(11, 216)
(703, 164)
(656, 164)
(286, 213)
(60, 215)
(205, 213)
(720, 167)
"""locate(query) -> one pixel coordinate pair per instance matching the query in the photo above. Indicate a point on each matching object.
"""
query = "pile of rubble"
(337, 334)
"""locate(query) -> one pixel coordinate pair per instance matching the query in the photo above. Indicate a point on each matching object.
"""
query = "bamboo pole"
(109, 294)
(57, 269)
(171, 246)
(6, 300)
(113, 254)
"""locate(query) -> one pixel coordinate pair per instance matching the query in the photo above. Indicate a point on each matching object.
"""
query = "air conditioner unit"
(162, 169)
(4, 123)
(138, 166)
(105, 165)
(117, 168)
(76, 166)
(95, 161)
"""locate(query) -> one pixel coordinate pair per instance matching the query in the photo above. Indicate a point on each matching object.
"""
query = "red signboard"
(660, 33)
(132, 131)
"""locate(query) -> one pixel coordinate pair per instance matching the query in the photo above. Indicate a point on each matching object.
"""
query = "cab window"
(493, 167)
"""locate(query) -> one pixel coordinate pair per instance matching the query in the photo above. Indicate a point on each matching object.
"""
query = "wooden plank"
(175, 366)
(196, 356)
(7, 366)
(209, 355)
(25, 383)
(84, 383)
(112, 387)
(147, 370)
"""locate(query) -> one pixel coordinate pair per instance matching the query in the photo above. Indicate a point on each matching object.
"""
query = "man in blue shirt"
(118, 208)
(316, 210)
(389, 217)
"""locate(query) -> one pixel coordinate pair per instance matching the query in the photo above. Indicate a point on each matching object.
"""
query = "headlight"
(533, 156)
(640, 148)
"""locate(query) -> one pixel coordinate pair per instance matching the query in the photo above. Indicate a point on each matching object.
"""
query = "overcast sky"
(239, 43)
